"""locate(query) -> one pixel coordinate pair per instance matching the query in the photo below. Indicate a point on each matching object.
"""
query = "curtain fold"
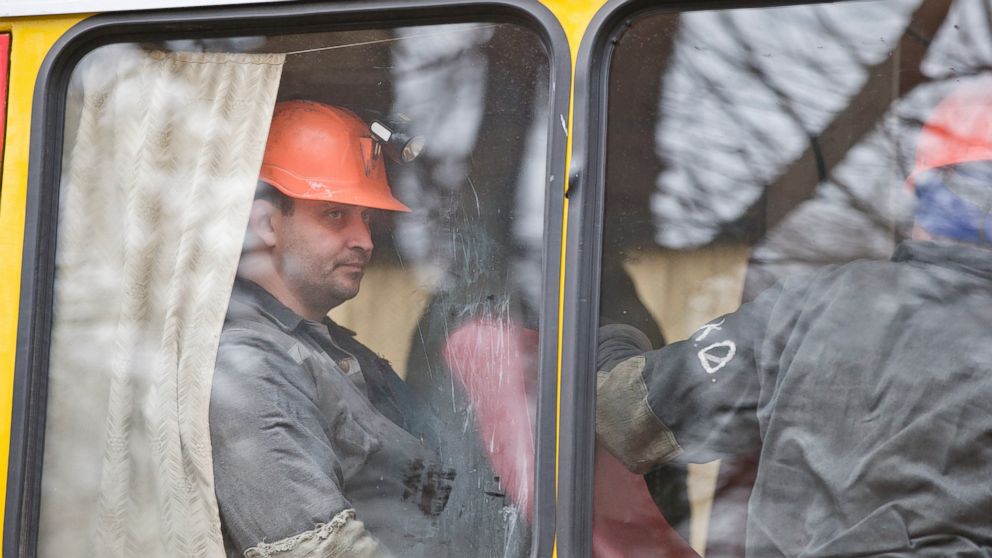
(161, 160)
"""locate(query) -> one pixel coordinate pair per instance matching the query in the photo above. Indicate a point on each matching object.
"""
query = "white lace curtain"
(161, 159)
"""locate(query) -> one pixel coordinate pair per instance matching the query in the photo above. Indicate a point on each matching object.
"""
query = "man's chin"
(347, 290)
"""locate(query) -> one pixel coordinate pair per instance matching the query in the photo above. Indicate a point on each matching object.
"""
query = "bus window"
(299, 288)
(796, 209)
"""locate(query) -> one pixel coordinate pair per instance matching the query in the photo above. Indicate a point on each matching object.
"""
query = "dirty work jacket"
(865, 389)
(307, 424)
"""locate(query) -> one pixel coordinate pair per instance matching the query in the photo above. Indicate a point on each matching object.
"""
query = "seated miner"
(864, 389)
(320, 449)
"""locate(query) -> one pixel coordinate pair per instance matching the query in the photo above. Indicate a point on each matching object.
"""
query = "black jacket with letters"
(864, 389)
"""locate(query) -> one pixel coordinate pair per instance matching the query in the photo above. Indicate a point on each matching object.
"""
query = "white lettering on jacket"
(707, 329)
(716, 356)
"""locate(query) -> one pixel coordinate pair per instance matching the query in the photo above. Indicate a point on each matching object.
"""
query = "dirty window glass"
(297, 295)
(795, 286)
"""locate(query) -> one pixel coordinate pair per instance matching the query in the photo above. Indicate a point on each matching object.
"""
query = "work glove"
(617, 343)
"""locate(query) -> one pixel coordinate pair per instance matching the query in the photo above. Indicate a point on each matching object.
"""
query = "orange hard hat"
(319, 152)
(959, 129)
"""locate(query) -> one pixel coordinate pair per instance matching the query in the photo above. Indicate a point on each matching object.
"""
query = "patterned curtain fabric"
(161, 159)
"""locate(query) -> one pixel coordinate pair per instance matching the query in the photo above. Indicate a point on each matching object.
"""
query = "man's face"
(321, 250)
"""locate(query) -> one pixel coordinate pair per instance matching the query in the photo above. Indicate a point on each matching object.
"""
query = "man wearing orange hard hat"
(320, 449)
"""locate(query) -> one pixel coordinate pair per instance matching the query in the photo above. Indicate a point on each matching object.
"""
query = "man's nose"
(360, 234)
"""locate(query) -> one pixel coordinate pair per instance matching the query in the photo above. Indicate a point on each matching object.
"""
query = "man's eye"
(367, 216)
(335, 215)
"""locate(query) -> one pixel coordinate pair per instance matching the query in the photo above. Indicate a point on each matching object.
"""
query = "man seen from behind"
(864, 390)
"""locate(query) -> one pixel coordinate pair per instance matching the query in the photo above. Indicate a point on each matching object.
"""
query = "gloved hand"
(617, 343)
(625, 423)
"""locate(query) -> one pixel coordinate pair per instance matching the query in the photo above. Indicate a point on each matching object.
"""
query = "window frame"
(20, 537)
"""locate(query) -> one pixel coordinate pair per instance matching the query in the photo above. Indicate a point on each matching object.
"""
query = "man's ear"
(261, 222)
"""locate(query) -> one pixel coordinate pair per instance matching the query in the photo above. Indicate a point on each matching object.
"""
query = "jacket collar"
(250, 299)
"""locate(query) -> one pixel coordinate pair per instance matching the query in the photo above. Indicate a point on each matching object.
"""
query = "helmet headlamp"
(398, 145)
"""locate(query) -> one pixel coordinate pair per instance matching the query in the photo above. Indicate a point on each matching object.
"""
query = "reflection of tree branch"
(839, 36)
(798, 181)
(784, 100)
(714, 88)
(987, 19)
(923, 40)
(865, 209)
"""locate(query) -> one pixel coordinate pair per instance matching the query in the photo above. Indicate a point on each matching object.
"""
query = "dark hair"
(267, 192)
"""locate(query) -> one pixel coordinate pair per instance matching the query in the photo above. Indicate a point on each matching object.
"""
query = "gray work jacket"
(865, 390)
(307, 422)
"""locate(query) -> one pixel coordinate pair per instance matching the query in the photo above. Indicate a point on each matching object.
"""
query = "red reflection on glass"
(4, 68)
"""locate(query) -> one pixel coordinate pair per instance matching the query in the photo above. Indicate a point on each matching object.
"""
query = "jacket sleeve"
(342, 537)
(696, 399)
(277, 475)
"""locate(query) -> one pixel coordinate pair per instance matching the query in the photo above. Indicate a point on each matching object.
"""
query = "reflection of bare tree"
(962, 45)
(862, 114)
(790, 128)
(765, 96)
(859, 209)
